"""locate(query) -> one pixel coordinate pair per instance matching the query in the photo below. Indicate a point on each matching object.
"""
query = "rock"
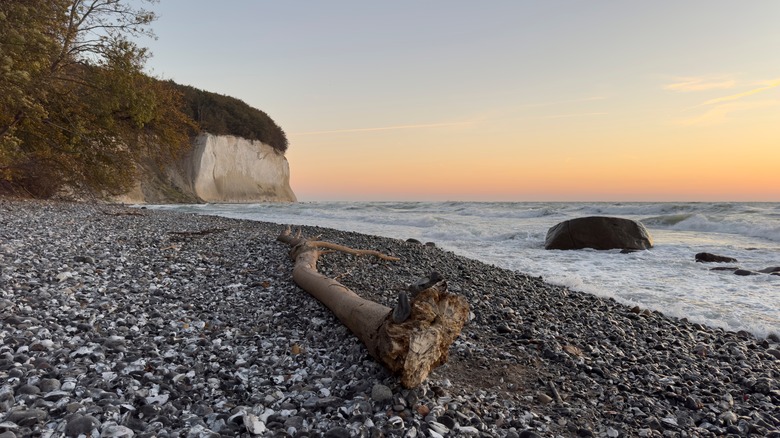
(770, 270)
(27, 417)
(744, 272)
(705, 257)
(113, 430)
(49, 385)
(28, 390)
(337, 432)
(544, 398)
(81, 425)
(693, 403)
(598, 232)
(381, 393)
(503, 329)
(253, 424)
(728, 417)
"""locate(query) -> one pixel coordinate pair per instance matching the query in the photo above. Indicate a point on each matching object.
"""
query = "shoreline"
(164, 323)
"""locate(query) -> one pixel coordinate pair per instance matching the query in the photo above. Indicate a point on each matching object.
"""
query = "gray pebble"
(381, 393)
(81, 425)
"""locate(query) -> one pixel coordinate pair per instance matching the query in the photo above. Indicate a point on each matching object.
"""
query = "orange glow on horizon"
(658, 166)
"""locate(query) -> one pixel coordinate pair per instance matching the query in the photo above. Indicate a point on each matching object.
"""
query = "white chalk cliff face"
(218, 169)
(233, 169)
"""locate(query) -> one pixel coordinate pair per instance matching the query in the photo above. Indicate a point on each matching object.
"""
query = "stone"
(381, 393)
(81, 425)
(337, 432)
(598, 232)
(114, 430)
(705, 257)
(27, 417)
(544, 398)
(253, 424)
(28, 390)
(49, 385)
(744, 272)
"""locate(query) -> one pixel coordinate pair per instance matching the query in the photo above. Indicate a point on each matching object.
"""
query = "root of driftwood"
(410, 340)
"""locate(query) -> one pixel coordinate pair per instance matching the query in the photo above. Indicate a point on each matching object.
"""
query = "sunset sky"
(498, 100)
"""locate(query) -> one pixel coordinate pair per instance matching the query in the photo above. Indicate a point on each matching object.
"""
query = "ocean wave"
(666, 220)
(742, 226)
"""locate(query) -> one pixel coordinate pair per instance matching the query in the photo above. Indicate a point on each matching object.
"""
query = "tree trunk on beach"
(410, 340)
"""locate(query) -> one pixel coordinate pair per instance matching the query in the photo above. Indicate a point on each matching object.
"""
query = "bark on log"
(411, 347)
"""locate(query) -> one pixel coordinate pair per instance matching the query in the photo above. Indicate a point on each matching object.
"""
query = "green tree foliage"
(225, 115)
(75, 107)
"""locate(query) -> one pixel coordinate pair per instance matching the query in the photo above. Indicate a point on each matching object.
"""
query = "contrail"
(383, 128)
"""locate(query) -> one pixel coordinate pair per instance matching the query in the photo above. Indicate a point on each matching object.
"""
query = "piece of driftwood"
(196, 233)
(411, 339)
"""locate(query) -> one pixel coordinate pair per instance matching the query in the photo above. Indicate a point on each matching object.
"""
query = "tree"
(76, 108)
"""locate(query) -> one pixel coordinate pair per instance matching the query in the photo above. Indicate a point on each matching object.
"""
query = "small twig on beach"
(124, 213)
(197, 233)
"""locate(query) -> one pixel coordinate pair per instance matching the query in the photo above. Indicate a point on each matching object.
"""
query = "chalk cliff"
(218, 169)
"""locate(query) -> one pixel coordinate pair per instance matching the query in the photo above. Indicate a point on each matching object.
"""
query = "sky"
(498, 100)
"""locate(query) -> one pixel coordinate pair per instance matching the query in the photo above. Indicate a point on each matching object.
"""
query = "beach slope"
(149, 323)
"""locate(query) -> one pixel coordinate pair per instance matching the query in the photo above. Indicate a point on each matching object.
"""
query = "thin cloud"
(700, 84)
(719, 113)
(769, 85)
(720, 108)
(385, 128)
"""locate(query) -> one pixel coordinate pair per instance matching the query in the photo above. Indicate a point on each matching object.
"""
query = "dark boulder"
(598, 232)
(705, 257)
(744, 272)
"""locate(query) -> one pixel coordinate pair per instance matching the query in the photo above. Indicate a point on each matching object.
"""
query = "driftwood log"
(411, 339)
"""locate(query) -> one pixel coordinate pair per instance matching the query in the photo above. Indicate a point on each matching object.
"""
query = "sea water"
(511, 235)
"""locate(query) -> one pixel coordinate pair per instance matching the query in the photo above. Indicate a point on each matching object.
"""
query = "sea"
(511, 235)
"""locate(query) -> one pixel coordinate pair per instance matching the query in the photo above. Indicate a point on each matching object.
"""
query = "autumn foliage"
(77, 110)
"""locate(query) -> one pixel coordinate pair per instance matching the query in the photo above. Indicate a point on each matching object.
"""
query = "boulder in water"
(705, 257)
(598, 232)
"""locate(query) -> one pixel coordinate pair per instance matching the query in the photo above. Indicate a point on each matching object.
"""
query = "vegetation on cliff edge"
(225, 115)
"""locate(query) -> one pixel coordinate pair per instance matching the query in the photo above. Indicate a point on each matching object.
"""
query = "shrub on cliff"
(225, 115)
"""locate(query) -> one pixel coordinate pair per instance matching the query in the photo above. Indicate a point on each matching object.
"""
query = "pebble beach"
(127, 322)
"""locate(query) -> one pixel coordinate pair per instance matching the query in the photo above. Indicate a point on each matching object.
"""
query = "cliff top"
(224, 115)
